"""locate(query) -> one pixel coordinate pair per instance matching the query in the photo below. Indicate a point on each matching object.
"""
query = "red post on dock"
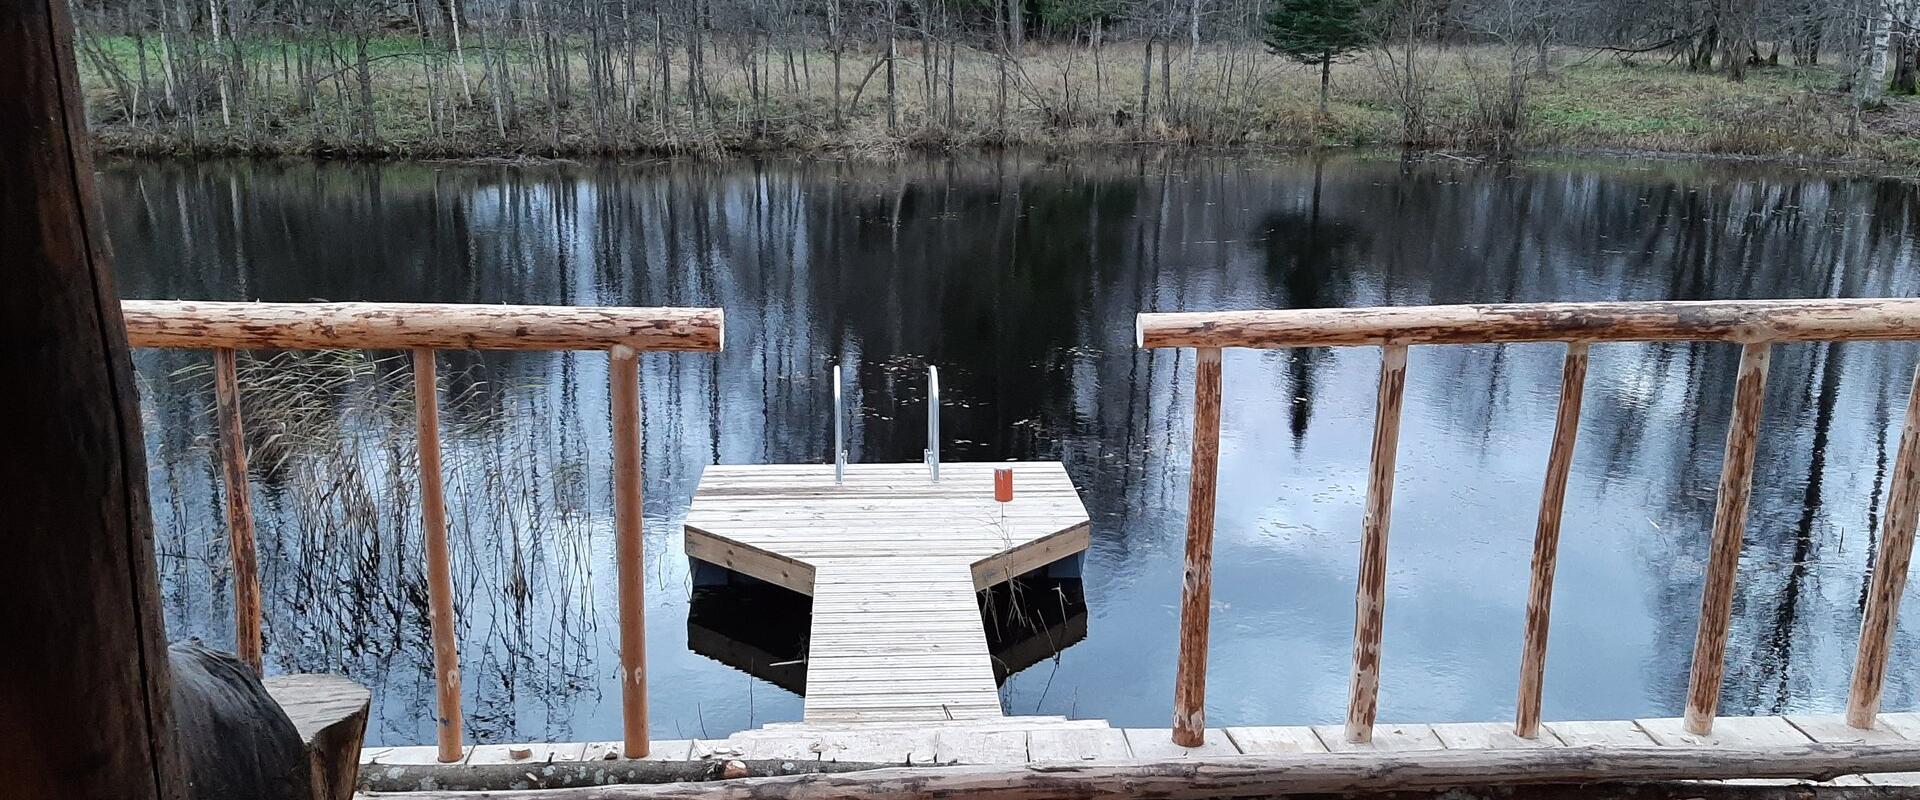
(1003, 485)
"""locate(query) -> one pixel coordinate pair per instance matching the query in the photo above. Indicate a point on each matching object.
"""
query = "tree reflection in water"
(1019, 276)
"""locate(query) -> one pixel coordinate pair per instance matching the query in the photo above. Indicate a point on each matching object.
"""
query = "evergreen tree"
(1316, 32)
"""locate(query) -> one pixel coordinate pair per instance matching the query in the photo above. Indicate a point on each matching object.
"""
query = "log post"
(233, 459)
(623, 376)
(85, 706)
(1196, 596)
(433, 534)
(1889, 572)
(1729, 523)
(1370, 603)
(1546, 539)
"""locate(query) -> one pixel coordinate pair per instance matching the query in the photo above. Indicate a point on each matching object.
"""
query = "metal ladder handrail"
(929, 456)
(839, 430)
(932, 454)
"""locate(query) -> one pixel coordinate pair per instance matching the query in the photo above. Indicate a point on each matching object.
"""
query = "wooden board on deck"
(1385, 737)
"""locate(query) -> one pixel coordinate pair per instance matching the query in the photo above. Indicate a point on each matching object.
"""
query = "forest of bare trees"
(513, 76)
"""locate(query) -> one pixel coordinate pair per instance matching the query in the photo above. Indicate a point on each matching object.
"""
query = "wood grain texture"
(242, 553)
(623, 393)
(1889, 578)
(1729, 525)
(85, 706)
(892, 560)
(1196, 584)
(1742, 321)
(1370, 598)
(1546, 541)
(400, 326)
(1624, 732)
(1197, 777)
(330, 713)
(867, 663)
(433, 535)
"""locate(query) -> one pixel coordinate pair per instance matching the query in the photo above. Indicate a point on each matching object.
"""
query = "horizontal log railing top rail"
(406, 326)
(1755, 324)
(1743, 321)
(424, 328)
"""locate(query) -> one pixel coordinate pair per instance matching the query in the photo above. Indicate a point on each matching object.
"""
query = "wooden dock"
(893, 561)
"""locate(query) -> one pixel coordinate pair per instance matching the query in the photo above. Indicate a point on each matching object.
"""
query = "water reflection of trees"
(1017, 275)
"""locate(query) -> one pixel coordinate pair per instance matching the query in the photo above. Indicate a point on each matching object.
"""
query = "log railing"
(1756, 325)
(424, 328)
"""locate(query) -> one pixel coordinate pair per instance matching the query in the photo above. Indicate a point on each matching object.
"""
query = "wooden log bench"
(330, 712)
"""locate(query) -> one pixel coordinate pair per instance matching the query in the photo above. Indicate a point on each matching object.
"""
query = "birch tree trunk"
(1870, 80)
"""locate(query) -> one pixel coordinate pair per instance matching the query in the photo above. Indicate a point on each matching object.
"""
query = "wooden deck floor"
(1014, 740)
(893, 561)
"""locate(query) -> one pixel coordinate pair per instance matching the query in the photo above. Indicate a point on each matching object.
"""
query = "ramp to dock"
(893, 560)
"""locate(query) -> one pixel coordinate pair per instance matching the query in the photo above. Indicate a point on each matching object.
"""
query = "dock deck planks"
(893, 561)
(1014, 740)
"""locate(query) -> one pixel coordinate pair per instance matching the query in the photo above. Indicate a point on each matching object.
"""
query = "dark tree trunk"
(84, 687)
(1146, 81)
(1905, 63)
(1326, 77)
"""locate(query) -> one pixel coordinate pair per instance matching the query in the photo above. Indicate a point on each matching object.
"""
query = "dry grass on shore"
(1061, 97)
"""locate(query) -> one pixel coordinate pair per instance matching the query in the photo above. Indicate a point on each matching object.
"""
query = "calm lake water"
(1019, 276)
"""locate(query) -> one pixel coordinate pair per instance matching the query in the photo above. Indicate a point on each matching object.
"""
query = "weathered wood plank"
(410, 754)
(1386, 738)
(528, 753)
(1622, 732)
(1102, 744)
(667, 750)
(1488, 736)
(843, 661)
(1836, 728)
(970, 746)
(1736, 732)
(1158, 744)
(1265, 740)
(405, 326)
(1742, 321)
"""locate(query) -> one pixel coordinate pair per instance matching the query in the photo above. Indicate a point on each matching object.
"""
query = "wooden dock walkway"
(893, 561)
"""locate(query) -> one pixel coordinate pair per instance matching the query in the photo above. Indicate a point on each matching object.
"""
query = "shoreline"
(1842, 165)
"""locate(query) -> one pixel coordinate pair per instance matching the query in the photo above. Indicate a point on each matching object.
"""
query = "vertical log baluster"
(1546, 539)
(1190, 685)
(433, 534)
(623, 375)
(1729, 524)
(233, 460)
(1370, 602)
(1889, 572)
